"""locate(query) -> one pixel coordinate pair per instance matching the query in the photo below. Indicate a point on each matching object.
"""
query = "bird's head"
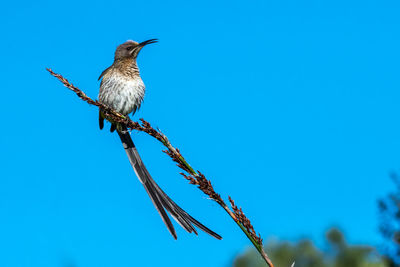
(130, 49)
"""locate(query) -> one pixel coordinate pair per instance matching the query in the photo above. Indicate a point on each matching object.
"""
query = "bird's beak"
(137, 49)
(151, 41)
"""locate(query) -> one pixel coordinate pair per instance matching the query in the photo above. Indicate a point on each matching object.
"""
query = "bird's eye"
(129, 48)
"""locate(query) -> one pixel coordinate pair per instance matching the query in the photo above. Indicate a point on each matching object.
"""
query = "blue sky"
(290, 107)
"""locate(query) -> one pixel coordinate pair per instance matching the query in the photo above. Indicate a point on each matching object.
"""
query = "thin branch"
(194, 177)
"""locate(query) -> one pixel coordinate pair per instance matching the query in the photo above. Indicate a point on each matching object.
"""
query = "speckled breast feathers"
(122, 91)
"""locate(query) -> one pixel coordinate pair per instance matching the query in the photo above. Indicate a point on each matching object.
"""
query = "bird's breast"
(122, 93)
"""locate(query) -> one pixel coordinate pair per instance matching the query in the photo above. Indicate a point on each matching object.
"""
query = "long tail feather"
(159, 198)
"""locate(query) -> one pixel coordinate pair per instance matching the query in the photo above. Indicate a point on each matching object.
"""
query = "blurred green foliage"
(305, 254)
(389, 209)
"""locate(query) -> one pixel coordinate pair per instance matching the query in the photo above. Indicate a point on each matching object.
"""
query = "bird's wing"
(101, 120)
(104, 72)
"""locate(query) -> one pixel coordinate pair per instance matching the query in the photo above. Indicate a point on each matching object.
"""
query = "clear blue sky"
(290, 107)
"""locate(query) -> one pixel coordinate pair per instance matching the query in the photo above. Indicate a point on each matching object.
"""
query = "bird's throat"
(127, 67)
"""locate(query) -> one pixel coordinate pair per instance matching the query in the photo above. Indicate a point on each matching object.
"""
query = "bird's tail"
(160, 200)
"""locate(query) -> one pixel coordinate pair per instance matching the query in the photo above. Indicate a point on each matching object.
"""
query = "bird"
(122, 90)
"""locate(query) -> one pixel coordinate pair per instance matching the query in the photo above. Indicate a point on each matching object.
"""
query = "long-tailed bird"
(122, 89)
